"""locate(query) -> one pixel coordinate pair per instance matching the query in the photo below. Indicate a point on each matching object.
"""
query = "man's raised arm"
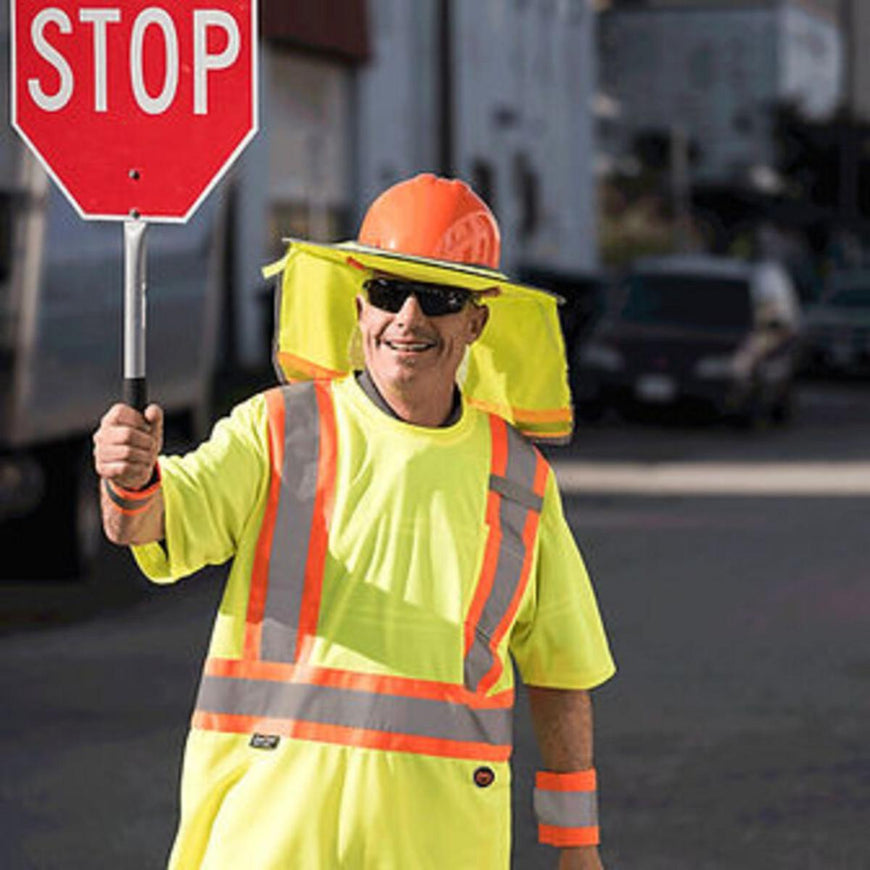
(126, 447)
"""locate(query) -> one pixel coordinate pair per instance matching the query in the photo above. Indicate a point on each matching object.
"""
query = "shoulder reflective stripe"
(529, 536)
(349, 708)
(390, 685)
(293, 519)
(515, 492)
(566, 809)
(361, 737)
(513, 528)
(262, 554)
(318, 543)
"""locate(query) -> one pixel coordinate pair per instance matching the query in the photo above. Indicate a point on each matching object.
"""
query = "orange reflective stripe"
(414, 688)
(127, 507)
(319, 540)
(560, 436)
(565, 837)
(308, 369)
(578, 780)
(260, 571)
(345, 736)
(525, 415)
(498, 465)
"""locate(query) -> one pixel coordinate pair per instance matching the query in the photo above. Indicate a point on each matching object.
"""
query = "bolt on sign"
(135, 108)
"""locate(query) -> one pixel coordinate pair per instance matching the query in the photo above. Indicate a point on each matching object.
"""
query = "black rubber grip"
(136, 393)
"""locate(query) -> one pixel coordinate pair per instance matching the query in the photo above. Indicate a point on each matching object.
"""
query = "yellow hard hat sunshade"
(516, 369)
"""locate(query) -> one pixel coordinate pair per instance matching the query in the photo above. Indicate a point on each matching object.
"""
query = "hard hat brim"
(477, 279)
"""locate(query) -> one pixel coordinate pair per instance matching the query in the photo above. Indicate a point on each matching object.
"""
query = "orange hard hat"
(438, 218)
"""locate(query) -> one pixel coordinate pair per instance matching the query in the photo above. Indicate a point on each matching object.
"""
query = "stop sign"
(135, 108)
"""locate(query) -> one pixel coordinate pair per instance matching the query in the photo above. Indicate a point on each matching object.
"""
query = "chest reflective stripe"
(273, 688)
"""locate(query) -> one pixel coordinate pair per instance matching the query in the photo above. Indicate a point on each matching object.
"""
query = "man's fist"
(127, 444)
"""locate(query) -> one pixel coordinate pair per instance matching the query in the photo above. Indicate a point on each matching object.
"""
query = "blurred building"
(498, 92)
(717, 71)
(855, 21)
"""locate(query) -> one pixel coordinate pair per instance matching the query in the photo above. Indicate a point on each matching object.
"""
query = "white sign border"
(255, 127)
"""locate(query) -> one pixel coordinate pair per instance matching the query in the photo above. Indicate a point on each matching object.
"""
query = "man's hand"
(126, 447)
(127, 444)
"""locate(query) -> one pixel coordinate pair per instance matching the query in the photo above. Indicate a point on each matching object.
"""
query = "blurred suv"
(708, 330)
(837, 329)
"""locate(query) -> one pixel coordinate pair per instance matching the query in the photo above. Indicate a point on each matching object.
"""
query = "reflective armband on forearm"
(133, 501)
(566, 805)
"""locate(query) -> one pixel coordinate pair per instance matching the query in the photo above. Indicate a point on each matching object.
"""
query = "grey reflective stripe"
(289, 553)
(567, 809)
(128, 504)
(515, 492)
(519, 478)
(349, 708)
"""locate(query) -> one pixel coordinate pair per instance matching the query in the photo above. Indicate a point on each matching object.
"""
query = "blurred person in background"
(393, 546)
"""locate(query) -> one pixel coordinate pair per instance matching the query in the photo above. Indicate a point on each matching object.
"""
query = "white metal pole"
(135, 284)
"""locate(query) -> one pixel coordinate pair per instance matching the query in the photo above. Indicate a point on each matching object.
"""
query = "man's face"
(408, 350)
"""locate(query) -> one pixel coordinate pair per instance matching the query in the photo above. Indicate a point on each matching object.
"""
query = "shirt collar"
(367, 384)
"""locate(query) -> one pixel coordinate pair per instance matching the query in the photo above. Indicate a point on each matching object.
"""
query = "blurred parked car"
(708, 330)
(837, 329)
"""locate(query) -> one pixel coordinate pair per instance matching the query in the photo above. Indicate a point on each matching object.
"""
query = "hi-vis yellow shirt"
(293, 780)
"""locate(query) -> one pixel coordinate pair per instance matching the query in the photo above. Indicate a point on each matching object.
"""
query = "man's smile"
(406, 345)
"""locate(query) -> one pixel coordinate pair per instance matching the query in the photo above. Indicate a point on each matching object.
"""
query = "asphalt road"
(733, 736)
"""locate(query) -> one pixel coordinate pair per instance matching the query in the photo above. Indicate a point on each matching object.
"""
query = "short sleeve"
(558, 640)
(210, 495)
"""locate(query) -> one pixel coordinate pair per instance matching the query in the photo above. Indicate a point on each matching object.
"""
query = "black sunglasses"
(389, 294)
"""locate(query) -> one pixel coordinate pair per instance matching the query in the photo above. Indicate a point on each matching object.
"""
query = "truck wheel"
(61, 537)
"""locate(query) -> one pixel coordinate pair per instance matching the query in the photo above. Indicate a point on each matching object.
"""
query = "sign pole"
(135, 285)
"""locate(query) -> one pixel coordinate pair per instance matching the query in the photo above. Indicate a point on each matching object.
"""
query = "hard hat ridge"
(438, 218)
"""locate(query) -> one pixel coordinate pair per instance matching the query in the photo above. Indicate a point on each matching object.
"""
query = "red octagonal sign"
(135, 108)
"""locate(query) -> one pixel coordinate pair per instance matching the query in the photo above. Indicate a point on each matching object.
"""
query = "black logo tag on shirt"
(264, 741)
(484, 777)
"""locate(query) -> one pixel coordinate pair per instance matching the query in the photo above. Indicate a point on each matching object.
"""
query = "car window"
(697, 302)
(851, 297)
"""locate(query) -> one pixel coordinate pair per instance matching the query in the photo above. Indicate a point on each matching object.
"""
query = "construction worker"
(393, 546)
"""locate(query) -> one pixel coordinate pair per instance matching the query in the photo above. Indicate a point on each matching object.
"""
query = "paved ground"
(734, 735)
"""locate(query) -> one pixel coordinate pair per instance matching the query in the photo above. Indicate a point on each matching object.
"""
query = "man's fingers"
(125, 453)
(123, 415)
(154, 415)
(127, 443)
(124, 435)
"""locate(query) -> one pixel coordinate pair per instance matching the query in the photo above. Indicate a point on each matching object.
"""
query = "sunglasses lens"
(387, 295)
(435, 300)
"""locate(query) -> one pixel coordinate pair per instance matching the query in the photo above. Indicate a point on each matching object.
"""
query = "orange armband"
(566, 805)
(133, 501)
